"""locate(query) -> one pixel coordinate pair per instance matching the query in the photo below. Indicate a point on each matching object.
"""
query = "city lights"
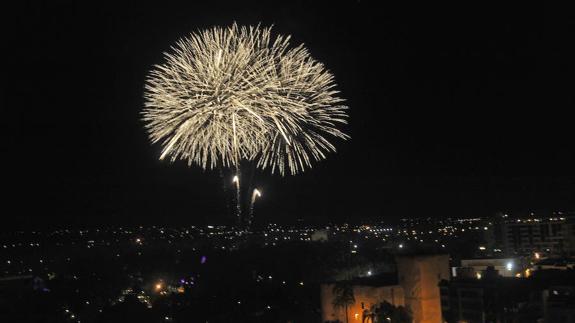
(225, 240)
(509, 266)
(141, 140)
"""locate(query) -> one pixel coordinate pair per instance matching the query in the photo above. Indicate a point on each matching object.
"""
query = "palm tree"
(343, 292)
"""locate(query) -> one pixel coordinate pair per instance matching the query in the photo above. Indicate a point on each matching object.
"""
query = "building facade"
(420, 276)
(553, 235)
(490, 300)
(365, 296)
(416, 286)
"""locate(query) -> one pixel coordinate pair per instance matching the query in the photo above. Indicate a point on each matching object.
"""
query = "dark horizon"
(454, 112)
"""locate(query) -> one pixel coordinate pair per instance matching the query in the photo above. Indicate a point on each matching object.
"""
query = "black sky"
(454, 112)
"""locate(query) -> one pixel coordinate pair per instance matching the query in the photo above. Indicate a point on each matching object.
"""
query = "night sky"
(453, 112)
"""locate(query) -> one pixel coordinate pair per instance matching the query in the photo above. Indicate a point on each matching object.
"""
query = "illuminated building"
(506, 267)
(419, 276)
(553, 235)
(367, 294)
(415, 286)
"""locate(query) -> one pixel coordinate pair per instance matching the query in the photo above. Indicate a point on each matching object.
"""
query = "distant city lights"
(509, 266)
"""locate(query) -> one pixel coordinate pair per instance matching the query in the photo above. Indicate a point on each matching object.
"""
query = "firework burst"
(229, 94)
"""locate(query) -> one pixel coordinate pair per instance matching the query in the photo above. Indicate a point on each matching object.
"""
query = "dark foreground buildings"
(546, 296)
(523, 274)
(425, 287)
(414, 285)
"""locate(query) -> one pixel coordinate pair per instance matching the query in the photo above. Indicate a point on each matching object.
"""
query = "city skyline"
(452, 115)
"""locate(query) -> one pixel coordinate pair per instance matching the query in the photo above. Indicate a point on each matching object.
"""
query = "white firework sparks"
(229, 94)
(236, 181)
(256, 193)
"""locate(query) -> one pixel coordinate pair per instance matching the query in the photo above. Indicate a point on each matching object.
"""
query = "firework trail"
(236, 181)
(256, 193)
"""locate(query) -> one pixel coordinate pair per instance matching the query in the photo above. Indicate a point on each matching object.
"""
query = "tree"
(387, 313)
(343, 296)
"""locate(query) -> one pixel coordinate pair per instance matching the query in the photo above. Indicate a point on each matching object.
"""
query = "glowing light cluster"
(229, 94)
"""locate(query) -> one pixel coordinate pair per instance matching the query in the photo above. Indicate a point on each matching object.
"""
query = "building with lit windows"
(506, 267)
(554, 235)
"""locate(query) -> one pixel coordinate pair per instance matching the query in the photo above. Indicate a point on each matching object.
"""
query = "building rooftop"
(379, 280)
